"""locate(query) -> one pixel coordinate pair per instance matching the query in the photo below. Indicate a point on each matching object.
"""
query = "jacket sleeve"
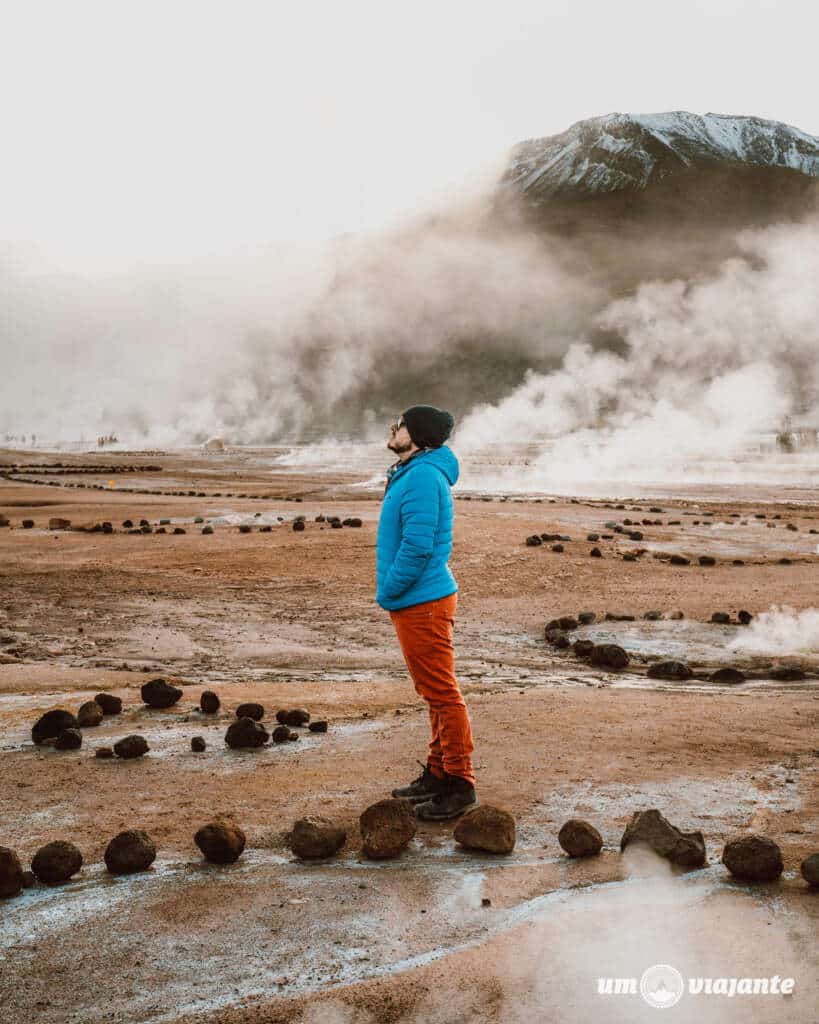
(419, 523)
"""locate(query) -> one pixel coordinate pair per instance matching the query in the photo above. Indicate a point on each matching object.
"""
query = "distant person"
(415, 585)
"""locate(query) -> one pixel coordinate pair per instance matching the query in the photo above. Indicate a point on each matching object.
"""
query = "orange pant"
(425, 634)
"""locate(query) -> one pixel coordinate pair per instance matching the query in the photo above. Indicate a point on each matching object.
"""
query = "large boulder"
(51, 724)
(315, 837)
(11, 874)
(110, 704)
(669, 670)
(686, 849)
(580, 839)
(254, 711)
(609, 656)
(157, 693)
(56, 862)
(810, 870)
(244, 732)
(221, 842)
(753, 858)
(486, 828)
(89, 715)
(131, 746)
(130, 851)
(386, 828)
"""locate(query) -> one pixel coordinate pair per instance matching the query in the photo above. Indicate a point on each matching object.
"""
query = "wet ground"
(288, 619)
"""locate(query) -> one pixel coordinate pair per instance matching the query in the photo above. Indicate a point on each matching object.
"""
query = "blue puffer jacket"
(415, 531)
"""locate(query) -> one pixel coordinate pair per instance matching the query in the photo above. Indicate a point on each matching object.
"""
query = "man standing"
(417, 588)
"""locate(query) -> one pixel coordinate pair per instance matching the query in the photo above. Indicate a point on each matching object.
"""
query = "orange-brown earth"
(288, 619)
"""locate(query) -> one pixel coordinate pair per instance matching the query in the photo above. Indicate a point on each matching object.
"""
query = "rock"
(110, 704)
(721, 618)
(198, 744)
(744, 618)
(207, 530)
(244, 528)
(129, 852)
(316, 837)
(11, 874)
(580, 839)
(220, 842)
(127, 524)
(558, 548)
(534, 541)
(28, 524)
(785, 561)
(676, 616)
(787, 674)
(687, 849)
(595, 553)
(592, 537)
(669, 670)
(753, 858)
(103, 753)
(727, 675)
(653, 616)
(209, 702)
(707, 560)
(159, 694)
(629, 557)
(586, 618)
(56, 523)
(69, 739)
(486, 828)
(318, 726)
(282, 733)
(386, 828)
(618, 617)
(295, 716)
(178, 531)
(610, 656)
(737, 561)
(679, 560)
(245, 732)
(298, 525)
(131, 747)
(583, 648)
(635, 535)
(56, 862)
(352, 521)
(810, 870)
(51, 724)
(89, 715)
(254, 711)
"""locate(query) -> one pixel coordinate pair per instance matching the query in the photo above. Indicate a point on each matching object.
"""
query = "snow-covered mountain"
(631, 151)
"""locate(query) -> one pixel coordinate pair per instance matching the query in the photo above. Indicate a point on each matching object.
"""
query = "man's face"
(399, 441)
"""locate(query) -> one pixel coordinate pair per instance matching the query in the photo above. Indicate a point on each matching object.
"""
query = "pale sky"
(145, 132)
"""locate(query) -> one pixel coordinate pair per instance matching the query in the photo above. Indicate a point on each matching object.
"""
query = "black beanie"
(427, 426)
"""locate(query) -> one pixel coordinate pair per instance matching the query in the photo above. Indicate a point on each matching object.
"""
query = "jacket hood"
(443, 458)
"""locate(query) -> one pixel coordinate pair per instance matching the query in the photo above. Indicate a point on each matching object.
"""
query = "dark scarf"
(397, 465)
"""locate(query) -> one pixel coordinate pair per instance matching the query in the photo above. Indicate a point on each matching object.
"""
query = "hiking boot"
(422, 788)
(456, 797)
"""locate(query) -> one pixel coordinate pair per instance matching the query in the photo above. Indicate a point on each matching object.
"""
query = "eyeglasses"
(395, 427)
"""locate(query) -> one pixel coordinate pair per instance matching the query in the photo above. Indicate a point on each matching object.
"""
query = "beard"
(399, 449)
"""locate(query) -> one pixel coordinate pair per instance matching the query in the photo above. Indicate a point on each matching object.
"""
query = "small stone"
(56, 862)
(178, 531)
(209, 702)
(51, 724)
(679, 560)
(810, 870)
(593, 537)
(198, 744)
(129, 852)
(69, 739)
(254, 711)
(787, 674)
(157, 693)
(586, 618)
(298, 525)
(580, 839)
(131, 747)
(315, 837)
(676, 616)
(283, 733)
(534, 541)
(246, 733)
(103, 753)
(89, 715)
(110, 704)
(753, 858)
(386, 828)
(583, 648)
(669, 670)
(707, 560)
(744, 618)
(486, 828)
(727, 675)
(721, 618)
(686, 849)
(28, 524)
(653, 616)
(11, 874)
(220, 842)
(294, 716)
(207, 530)
(56, 523)
(321, 724)
(610, 656)
(244, 528)
(558, 548)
